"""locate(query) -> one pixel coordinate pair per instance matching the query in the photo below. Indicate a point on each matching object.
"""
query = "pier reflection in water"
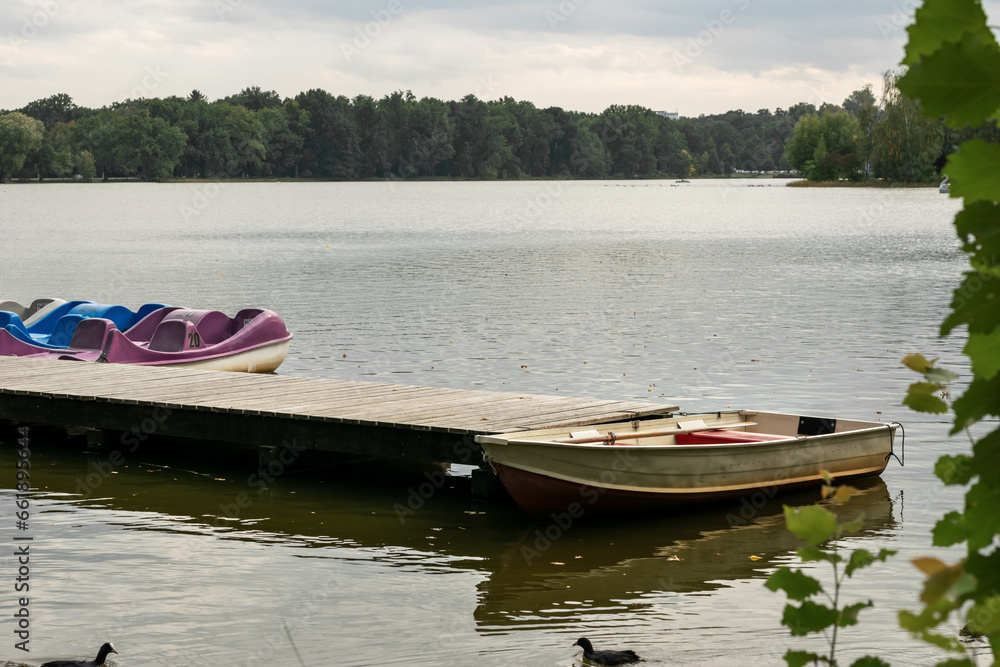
(349, 540)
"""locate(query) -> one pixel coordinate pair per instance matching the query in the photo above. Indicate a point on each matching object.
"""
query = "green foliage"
(147, 146)
(975, 170)
(320, 135)
(927, 396)
(904, 144)
(85, 165)
(954, 71)
(960, 80)
(20, 136)
(825, 146)
(818, 525)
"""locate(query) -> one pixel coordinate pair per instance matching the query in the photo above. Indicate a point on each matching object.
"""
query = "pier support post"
(99, 440)
(486, 485)
(266, 455)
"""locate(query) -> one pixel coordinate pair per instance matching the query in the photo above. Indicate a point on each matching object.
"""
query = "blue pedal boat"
(55, 328)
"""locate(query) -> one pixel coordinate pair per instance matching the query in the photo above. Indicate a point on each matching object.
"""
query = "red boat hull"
(544, 497)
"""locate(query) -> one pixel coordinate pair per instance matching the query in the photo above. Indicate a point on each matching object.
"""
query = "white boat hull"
(544, 476)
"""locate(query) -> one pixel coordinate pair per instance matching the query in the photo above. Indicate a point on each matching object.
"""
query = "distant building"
(668, 114)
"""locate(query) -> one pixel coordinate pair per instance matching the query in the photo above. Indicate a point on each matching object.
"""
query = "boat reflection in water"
(611, 567)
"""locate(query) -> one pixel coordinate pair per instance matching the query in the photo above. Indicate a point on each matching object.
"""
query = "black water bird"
(102, 655)
(610, 658)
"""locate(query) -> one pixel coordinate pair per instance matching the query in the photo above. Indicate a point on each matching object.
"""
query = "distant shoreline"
(803, 183)
(791, 181)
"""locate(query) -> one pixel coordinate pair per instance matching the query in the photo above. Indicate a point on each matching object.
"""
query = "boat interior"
(716, 428)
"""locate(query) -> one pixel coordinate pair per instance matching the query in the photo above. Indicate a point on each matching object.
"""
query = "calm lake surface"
(717, 294)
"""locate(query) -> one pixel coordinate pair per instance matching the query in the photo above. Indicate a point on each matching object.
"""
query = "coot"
(604, 657)
(101, 657)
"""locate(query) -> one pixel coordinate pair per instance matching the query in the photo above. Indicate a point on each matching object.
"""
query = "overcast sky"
(691, 57)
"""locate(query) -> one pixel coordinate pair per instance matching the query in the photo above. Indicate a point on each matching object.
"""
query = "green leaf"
(812, 554)
(918, 362)
(976, 303)
(859, 558)
(941, 583)
(941, 641)
(956, 662)
(978, 226)
(843, 494)
(939, 21)
(984, 351)
(800, 658)
(983, 616)
(949, 530)
(986, 461)
(852, 526)
(869, 661)
(796, 584)
(812, 523)
(954, 469)
(809, 617)
(929, 617)
(940, 376)
(986, 570)
(975, 168)
(960, 81)
(922, 397)
(978, 401)
(849, 614)
(982, 514)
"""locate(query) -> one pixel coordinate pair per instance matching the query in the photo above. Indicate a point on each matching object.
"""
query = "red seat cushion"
(723, 437)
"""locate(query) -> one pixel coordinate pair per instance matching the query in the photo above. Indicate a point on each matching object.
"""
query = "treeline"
(256, 133)
(887, 138)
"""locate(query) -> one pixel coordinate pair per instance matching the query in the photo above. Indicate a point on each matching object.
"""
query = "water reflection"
(611, 568)
(550, 574)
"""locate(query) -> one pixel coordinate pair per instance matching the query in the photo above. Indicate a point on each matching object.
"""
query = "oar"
(649, 434)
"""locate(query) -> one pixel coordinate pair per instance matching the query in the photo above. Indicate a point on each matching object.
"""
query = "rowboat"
(254, 341)
(667, 462)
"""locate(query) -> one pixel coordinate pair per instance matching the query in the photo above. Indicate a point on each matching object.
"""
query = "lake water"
(717, 294)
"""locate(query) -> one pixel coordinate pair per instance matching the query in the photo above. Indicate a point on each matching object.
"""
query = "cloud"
(702, 57)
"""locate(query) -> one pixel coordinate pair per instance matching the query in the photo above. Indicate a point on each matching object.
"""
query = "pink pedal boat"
(255, 341)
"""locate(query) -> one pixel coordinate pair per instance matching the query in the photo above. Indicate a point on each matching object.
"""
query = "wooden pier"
(359, 418)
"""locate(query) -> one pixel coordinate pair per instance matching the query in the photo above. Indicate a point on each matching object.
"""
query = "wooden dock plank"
(333, 415)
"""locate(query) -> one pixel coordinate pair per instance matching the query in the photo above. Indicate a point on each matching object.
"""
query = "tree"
(859, 100)
(54, 109)
(53, 157)
(147, 145)
(590, 159)
(372, 137)
(19, 137)
(629, 134)
(825, 147)
(84, 163)
(537, 129)
(905, 144)
(254, 99)
(223, 140)
(96, 135)
(423, 139)
(282, 136)
(331, 145)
